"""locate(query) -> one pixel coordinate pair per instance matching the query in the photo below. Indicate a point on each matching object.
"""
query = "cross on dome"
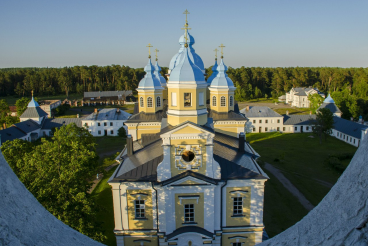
(186, 12)
(156, 50)
(215, 50)
(149, 50)
(222, 50)
(186, 28)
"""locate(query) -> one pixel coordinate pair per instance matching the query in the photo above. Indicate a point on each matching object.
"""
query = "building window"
(214, 101)
(173, 99)
(99, 132)
(139, 209)
(98, 124)
(187, 99)
(266, 129)
(254, 121)
(105, 123)
(188, 213)
(278, 121)
(236, 244)
(307, 128)
(111, 124)
(223, 101)
(354, 140)
(158, 102)
(296, 128)
(201, 99)
(231, 101)
(278, 128)
(238, 205)
(254, 129)
(260, 121)
(111, 132)
(149, 102)
(141, 102)
(86, 124)
(283, 128)
(266, 121)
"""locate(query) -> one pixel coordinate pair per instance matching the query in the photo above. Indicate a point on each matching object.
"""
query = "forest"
(348, 86)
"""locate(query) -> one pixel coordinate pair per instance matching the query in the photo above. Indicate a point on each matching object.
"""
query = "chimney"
(287, 112)
(129, 145)
(96, 110)
(241, 142)
(247, 108)
(77, 115)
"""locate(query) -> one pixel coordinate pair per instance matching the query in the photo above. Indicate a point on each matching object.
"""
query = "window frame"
(238, 206)
(222, 101)
(214, 101)
(189, 213)
(201, 99)
(231, 101)
(190, 100)
(139, 205)
(149, 102)
(141, 102)
(173, 99)
(158, 101)
(111, 124)
(105, 123)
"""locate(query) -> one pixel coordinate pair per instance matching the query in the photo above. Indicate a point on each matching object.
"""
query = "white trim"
(187, 112)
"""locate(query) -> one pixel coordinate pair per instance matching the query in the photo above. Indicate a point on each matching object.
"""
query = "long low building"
(105, 97)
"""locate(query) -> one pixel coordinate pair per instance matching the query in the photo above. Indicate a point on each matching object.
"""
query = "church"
(188, 176)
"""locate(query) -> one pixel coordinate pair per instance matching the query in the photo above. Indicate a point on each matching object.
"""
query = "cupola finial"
(32, 93)
(149, 50)
(186, 28)
(186, 12)
(216, 53)
(156, 50)
(222, 50)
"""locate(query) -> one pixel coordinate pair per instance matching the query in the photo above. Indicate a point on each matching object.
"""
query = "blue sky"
(266, 33)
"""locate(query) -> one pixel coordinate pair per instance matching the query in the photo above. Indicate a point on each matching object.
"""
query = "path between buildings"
(289, 186)
(100, 176)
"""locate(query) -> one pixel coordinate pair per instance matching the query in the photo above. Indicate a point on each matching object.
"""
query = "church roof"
(299, 119)
(11, 133)
(186, 70)
(33, 103)
(27, 126)
(329, 99)
(214, 72)
(33, 112)
(222, 80)
(330, 104)
(158, 74)
(59, 122)
(149, 81)
(349, 127)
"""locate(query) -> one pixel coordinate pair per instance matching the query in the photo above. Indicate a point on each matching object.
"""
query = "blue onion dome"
(158, 74)
(222, 80)
(196, 59)
(329, 99)
(33, 103)
(149, 81)
(214, 73)
(186, 70)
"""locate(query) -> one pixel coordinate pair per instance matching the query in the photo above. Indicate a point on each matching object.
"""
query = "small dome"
(191, 40)
(186, 70)
(222, 80)
(214, 73)
(150, 81)
(158, 74)
(33, 104)
(329, 99)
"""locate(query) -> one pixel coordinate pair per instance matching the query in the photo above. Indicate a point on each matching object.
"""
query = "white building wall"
(267, 124)
(98, 128)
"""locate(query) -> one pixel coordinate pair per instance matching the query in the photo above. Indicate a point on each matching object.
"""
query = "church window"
(223, 101)
(149, 102)
(173, 99)
(188, 156)
(141, 102)
(231, 103)
(238, 206)
(158, 102)
(139, 209)
(214, 101)
(188, 213)
(201, 99)
(187, 99)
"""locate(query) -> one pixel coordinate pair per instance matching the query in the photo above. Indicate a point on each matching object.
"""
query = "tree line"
(348, 85)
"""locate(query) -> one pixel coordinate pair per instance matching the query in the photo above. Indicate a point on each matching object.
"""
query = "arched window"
(231, 103)
(158, 102)
(223, 101)
(214, 101)
(141, 102)
(149, 102)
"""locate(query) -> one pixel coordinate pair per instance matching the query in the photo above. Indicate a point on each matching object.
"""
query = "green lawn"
(301, 159)
(103, 197)
(292, 110)
(108, 145)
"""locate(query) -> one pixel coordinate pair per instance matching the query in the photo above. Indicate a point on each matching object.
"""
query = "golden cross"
(186, 28)
(186, 15)
(216, 52)
(149, 50)
(156, 50)
(32, 93)
(222, 51)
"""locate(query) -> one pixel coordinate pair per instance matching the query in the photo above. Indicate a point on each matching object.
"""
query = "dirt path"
(100, 176)
(289, 186)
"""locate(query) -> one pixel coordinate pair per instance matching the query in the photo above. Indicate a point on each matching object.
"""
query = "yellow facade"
(189, 198)
(137, 223)
(230, 128)
(147, 129)
(236, 220)
(220, 101)
(150, 104)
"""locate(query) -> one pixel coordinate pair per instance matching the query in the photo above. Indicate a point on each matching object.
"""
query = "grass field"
(103, 197)
(108, 145)
(301, 158)
(292, 110)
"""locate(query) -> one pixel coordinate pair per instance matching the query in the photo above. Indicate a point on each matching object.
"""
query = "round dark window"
(188, 156)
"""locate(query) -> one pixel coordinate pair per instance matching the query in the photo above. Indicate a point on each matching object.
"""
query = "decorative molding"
(188, 197)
